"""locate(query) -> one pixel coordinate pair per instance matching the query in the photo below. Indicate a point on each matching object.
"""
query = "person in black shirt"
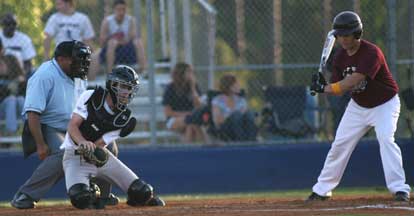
(180, 99)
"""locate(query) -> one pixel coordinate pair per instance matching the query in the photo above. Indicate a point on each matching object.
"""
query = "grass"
(285, 193)
(270, 194)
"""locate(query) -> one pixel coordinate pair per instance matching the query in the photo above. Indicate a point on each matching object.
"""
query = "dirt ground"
(340, 206)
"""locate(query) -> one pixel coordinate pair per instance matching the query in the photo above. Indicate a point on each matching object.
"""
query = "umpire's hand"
(42, 150)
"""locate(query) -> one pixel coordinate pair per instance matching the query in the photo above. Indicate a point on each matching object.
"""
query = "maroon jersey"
(378, 86)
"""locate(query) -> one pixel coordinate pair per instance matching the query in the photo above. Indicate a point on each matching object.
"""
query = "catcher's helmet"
(80, 54)
(347, 23)
(122, 84)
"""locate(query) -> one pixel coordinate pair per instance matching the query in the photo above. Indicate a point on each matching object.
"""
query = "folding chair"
(291, 112)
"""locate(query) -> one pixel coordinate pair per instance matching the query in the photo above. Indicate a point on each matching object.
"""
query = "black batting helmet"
(80, 54)
(122, 84)
(347, 23)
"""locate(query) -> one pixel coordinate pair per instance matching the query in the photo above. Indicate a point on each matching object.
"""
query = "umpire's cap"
(65, 49)
(347, 23)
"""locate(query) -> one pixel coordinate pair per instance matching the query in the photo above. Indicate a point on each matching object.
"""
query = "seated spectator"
(232, 120)
(12, 88)
(17, 43)
(120, 42)
(67, 24)
(180, 99)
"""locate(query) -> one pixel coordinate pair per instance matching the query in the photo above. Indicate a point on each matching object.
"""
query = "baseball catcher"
(100, 117)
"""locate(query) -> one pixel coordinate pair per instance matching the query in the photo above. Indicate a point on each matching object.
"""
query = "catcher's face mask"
(124, 92)
(122, 84)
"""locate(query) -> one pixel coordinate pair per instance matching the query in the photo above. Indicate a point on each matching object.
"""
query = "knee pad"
(81, 196)
(139, 193)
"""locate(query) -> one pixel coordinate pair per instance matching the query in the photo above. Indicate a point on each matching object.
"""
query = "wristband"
(336, 88)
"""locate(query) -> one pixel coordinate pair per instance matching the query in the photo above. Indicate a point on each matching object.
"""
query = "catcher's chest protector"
(99, 121)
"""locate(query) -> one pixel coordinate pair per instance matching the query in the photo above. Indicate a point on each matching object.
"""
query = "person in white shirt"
(17, 43)
(66, 25)
(99, 118)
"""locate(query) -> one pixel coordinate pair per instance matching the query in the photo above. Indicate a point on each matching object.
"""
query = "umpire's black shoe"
(111, 200)
(402, 196)
(316, 197)
(22, 201)
(156, 201)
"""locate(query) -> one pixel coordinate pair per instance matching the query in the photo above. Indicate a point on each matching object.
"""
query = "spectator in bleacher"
(231, 117)
(12, 83)
(67, 24)
(17, 43)
(120, 41)
(180, 99)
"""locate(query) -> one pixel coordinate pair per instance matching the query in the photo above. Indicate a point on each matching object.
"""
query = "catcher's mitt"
(99, 157)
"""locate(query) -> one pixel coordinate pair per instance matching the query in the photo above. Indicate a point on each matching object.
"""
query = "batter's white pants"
(77, 170)
(355, 122)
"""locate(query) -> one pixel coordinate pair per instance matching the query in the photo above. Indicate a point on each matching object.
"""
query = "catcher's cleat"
(111, 200)
(316, 197)
(22, 201)
(402, 196)
(155, 201)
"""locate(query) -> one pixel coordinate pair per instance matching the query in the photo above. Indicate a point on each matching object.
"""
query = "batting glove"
(318, 83)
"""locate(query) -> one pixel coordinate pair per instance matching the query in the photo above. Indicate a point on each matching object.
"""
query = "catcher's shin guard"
(156, 201)
(83, 196)
(139, 193)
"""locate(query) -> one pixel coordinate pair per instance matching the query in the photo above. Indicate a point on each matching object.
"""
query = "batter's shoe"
(156, 201)
(316, 197)
(402, 196)
(111, 200)
(22, 201)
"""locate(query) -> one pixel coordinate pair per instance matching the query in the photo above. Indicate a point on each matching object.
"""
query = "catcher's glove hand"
(97, 157)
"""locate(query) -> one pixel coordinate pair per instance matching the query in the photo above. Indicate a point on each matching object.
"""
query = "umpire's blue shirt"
(50, 93)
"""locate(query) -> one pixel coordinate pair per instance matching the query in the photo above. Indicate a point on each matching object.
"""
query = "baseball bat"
(326, 52)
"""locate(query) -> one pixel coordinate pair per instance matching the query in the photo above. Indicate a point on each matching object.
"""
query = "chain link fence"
(279, 43)
(271, 46)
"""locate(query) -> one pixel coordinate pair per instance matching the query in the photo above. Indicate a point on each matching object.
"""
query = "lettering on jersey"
(70, 25)
(94, 127)
(360, 87)
(15, 48)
